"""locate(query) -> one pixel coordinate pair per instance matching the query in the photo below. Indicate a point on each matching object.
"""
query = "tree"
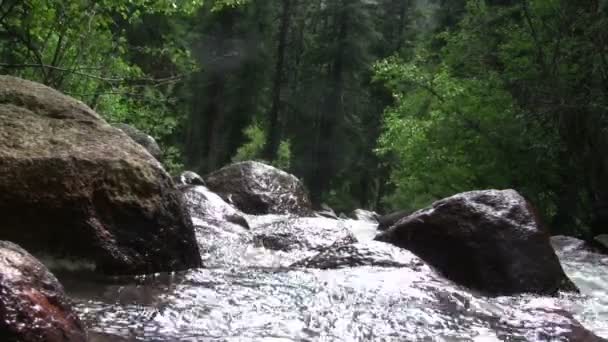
(229, 89)
(274, 129)
(511, 98)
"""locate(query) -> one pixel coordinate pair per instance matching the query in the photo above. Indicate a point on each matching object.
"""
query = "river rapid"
(249, 293)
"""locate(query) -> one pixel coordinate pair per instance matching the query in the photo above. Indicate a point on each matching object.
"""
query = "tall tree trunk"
(215, 117)
(274, 128)
(403, 6)
(331, 118)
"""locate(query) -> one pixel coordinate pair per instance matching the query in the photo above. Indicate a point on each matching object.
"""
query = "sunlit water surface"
(252, 296)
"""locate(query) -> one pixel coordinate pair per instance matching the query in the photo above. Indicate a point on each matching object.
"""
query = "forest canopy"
(380, 104)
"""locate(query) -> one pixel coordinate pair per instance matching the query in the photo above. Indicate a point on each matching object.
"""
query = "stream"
(248, 293)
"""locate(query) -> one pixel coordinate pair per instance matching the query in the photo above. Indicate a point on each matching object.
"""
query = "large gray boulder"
(71, 185)
(257, 188)
(488, 240)
(33, 305)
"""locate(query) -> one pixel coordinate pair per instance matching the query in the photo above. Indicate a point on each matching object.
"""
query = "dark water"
(250, 295)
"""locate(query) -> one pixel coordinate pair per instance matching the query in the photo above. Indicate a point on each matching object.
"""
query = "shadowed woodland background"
(385, 104)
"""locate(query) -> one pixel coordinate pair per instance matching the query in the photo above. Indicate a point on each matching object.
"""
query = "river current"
(247, 293)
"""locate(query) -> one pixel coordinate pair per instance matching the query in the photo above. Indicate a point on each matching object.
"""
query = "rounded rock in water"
(33, 305)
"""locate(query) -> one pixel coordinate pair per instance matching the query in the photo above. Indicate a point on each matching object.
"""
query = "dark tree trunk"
(214, 125)
(274, 128)
(331, 118)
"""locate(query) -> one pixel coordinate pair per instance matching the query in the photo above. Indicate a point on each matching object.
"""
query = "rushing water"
(250, 295)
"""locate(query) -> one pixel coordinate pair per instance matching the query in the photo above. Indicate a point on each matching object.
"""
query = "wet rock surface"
(33, 305)
(578, 250)
(303, 233)
(257, 189)
(206, 205)
(77, 187)
(368, 253)
(487, 240)
(365, 215)
(187, 178)
(327, 211)
(222, 231)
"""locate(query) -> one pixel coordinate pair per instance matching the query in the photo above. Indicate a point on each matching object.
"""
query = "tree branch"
(135, 81)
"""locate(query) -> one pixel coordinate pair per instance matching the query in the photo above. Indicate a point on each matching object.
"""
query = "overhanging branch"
(153, 81)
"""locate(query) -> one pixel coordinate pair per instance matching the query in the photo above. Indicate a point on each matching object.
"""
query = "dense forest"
(380, 104)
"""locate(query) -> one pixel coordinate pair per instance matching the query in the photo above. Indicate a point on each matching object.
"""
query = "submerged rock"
(143, 139)
(303, 233)
(567, 244)
(33, 305)
(579, 250)
(327, 211)
(208, 206)
(488, 240)
(189, 178)
(257, 188)
(71, 185)
(222, 231)
(368, 253)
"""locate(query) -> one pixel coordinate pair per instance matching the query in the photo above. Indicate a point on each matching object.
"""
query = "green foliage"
(221, 5)
(172, 159)
(283, 160)
(408, 101)
(82, 48)
(452, 134)
(253, 149)
(509, 98)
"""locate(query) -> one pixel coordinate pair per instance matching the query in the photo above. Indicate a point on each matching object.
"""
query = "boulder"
(303, 233)
(71, 185)
(143, 139)
(33, 305)
(257, 188)
(365, 215)
(562, 243)
(327, 214)
(601, 241)
(388, 220)
(327, 211)
(575, 250)
(208, 206)
(187, 178)
(368, 253)
(489, 240)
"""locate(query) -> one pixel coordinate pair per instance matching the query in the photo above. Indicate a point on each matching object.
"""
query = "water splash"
(255, 298)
